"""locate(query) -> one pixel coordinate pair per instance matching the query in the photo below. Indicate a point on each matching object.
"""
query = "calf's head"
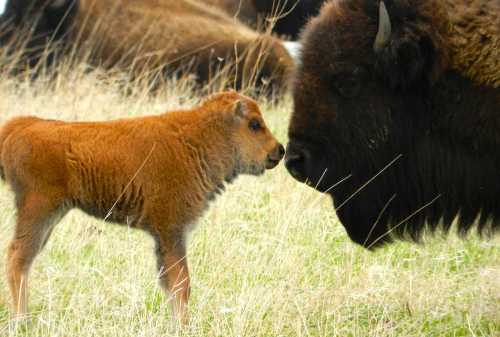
(257, 148)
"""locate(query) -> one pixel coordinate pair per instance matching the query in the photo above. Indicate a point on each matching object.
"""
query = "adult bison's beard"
(427, 186)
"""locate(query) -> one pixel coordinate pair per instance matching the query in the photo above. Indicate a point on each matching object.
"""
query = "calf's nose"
(277, 153)
(275, 156)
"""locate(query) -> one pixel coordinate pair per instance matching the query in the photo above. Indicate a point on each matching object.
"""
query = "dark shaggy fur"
(38, 19)
(50, 20)
(414, 129)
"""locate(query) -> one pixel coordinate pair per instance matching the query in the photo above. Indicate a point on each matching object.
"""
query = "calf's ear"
(240, 109)
(405, 55)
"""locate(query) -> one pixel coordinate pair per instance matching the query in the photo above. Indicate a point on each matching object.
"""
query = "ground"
(269, 258)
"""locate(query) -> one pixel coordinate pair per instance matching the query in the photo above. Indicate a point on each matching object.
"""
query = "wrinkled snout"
(275, 156)
(295, 161)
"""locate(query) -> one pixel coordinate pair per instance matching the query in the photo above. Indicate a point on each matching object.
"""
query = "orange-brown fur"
(156, 173)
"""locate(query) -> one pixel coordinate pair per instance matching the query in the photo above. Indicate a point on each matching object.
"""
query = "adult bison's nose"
(295, 162)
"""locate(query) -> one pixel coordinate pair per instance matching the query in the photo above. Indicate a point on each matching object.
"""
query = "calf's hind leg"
(36, 217)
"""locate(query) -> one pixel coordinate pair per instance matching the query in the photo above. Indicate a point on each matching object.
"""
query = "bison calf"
(156, 173)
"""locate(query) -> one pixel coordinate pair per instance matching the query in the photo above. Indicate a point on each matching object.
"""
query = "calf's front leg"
(174, 275)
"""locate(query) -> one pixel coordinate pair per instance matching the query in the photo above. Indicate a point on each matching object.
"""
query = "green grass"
(269, 258)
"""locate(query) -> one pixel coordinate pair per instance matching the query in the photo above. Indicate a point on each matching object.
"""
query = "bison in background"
(287, 17)
(397, 115)
(292, 15)
(150, 37)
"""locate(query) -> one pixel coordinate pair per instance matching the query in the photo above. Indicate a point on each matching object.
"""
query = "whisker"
(379, 217)
(405, 220)
(368, 182)
(129, 183)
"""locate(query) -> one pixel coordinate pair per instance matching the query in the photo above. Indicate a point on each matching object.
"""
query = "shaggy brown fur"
(159, 36)
(156, 173)
(475, 38)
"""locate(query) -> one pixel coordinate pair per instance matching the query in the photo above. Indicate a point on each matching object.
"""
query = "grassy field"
(268, 259)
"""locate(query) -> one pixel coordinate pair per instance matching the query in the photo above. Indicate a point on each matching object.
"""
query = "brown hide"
(153, 35)
(157, 37)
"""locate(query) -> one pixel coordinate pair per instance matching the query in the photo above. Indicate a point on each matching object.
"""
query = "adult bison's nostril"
(281, 151)
(295, 160)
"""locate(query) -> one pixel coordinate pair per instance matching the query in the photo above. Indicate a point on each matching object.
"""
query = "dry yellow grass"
(269, 258)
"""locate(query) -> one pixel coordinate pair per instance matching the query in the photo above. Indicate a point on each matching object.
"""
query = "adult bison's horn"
(384, 28)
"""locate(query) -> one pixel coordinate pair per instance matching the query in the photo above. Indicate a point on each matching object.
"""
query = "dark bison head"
(383, 125)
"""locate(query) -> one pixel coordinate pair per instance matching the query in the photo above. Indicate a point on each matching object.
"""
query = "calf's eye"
(254, 125)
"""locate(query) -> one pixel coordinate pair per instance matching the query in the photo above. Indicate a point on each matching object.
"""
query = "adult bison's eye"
(254, 125)
(349, 84)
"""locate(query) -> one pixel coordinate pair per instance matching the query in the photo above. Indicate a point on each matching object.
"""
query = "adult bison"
(397, 115)
(150, 37)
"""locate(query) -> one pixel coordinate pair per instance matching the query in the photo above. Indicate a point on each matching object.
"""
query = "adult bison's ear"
(405, 54)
